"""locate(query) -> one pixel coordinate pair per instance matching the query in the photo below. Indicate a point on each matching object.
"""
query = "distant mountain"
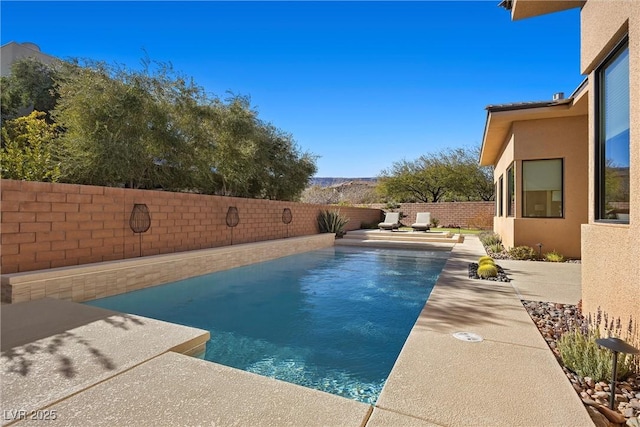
(330, 182)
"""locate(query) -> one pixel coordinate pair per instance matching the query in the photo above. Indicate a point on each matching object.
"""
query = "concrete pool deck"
(511, 378)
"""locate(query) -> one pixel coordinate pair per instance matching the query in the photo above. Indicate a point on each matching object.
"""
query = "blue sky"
(360, 84)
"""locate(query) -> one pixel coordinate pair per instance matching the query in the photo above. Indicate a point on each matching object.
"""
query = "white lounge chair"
(391, 221)
(423, 222)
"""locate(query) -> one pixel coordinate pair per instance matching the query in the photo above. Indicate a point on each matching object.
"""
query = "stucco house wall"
(610, 252)
(554, 138)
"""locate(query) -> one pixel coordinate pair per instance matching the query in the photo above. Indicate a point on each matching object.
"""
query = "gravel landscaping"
(552, 321)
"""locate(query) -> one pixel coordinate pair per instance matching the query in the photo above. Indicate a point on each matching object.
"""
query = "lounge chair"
(391, 221)
(423, 222)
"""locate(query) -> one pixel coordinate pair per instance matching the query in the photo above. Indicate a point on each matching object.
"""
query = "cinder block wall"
(464, 214)
(47, 225)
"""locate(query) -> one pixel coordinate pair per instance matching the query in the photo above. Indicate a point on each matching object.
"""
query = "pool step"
(399, 239)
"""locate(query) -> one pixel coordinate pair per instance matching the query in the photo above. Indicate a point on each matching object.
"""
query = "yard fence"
(47, 225)
(458, 214)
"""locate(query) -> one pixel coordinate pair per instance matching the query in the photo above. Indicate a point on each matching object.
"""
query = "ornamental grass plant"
(580, 352)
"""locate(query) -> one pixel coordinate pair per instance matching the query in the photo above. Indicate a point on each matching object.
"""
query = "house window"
(500, 197)
(542, 188)
(613, 142)
(511, 193)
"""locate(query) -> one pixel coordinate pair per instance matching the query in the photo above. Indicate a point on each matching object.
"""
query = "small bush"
(490, 238)
(331, 222)
(554, 256)
(522, 253)
(435, 222)
(487, 270)
(496, 249)
(581, 354)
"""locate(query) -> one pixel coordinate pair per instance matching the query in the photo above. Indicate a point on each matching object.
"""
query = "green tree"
(452, 174)
(30, 86)
(153, 128)
(28, 151)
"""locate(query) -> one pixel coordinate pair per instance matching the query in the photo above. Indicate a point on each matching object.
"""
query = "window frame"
(600, 154)
(501, 196)
(561, 188)
(511, 191)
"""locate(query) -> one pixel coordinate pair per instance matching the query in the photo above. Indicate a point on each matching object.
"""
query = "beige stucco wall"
(503, 225)
(563, 138)
(611, 253)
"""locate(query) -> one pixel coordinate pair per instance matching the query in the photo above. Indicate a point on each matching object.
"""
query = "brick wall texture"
(464, 214)
(45, 225)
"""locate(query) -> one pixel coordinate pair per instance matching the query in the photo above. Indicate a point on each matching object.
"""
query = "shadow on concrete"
(45, 326)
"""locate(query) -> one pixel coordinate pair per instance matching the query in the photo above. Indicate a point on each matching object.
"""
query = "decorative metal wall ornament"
(233, 219)
(140, 220)
(287, 217)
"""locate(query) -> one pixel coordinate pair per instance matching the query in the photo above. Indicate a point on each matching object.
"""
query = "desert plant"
(490, 238)
(554, 256)
(435, 222)
(581, 353)
(496, 248)
(485, 259)
(487, 270)
(522, 252)
(331, 222)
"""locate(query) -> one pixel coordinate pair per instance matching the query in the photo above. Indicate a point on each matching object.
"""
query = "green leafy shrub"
(554, 256)
(332, 222)
(487, 270)
(490, 238)
(522, 253)
(581, 354)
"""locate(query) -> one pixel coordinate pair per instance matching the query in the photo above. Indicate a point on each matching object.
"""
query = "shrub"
(581, 354)
(496, 249)
(487, 270)
(522, 253)
(435, 222)
(331, 222)
(554, 256)
(490, 238)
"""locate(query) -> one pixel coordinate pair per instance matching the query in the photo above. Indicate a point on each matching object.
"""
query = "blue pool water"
(333, 319)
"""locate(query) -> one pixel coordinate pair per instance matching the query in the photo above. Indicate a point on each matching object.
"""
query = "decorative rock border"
(553, 320)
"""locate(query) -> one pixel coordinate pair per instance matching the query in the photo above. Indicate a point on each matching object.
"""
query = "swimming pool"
(333, 319)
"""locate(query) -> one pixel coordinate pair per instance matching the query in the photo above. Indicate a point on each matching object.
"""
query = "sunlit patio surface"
(87, 366)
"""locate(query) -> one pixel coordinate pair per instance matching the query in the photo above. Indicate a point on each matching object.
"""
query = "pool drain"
(467, 336)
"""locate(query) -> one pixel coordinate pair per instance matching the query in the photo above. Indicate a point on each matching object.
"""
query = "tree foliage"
(154, 128)
(28, 146)
(449, 175)
(28, 87)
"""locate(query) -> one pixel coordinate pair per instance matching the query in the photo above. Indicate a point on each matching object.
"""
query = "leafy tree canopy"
(449, 175)
(155, 128)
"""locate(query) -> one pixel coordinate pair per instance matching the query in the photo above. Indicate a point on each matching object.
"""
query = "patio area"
(107, 368)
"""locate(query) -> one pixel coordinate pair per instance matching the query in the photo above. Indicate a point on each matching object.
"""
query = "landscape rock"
(552, 321)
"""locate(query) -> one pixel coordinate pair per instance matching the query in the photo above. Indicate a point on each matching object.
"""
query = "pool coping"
(90, 281)
(436, 381)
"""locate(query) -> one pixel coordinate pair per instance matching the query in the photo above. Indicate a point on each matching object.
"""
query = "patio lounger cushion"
(423, 221)
(391, 221)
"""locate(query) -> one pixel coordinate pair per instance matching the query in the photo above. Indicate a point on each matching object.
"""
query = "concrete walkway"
(509, 379)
